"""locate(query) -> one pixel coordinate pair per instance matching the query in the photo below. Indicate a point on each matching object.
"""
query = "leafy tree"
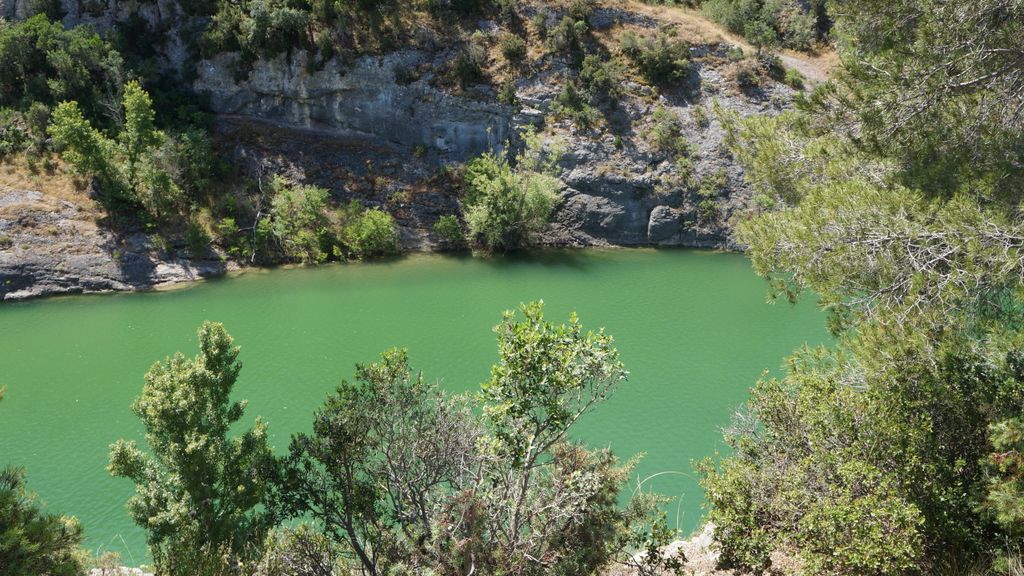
(450, 231)
(139, 134)
(771, 22)
(374, 469)
(662, 59)
(198, 492)
(40, 61)
(937, 86)
(888, 453)
(372, 233)
(136, 168)
(410, 479)
(87, 150)
(32, 542)
(505, 206)
(300, 222)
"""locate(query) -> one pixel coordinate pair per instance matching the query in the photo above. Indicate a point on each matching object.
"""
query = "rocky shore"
(383, 130)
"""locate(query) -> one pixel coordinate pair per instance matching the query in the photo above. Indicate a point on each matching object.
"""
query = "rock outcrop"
(54, 246)
(381, 129)
(371, 97)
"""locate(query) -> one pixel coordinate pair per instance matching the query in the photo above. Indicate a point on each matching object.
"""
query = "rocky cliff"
(380, 128)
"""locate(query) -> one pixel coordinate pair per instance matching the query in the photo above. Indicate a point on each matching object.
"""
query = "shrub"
(507, 92)
(401, 474)
(197, 239)
(871, 457)
(701, 117)
(372, 233)
(14, 134)
(33, 542)
(505, 207)
(42, 62)
(449, 230)
(667, 133)
(513, 48)
(142, 167)
(567, 35)
(570, 103)
(662, 59)
(794, 79)
(300, 551)
(300, 222)
(771, 22)
(469, 64)
(747, 75)
(601, 78)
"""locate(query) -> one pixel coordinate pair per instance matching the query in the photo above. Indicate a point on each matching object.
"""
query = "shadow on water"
(575, 259)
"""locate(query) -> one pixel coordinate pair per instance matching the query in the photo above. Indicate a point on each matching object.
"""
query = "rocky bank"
(381, 128)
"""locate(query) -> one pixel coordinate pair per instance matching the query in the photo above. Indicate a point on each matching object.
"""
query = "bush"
(449, 230)
(300, 222)
(405, 478)
(602, 79)
(142, 167)
(300, 551)
(567, 35)
(794, 79)
(571, 103)
(767, 23)
(747, 75)
(513, 48)
(42, 62)
(667, 133)
(506, 207)
(871, 458)
(197, 239)
(662, 59)
(33, 542)
(469, 64)
(198, 490)
(372, 233)
(507, 92)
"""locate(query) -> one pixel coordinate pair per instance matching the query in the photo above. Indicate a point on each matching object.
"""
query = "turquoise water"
(692, 327)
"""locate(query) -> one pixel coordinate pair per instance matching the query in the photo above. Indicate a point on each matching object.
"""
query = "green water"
(692, 328)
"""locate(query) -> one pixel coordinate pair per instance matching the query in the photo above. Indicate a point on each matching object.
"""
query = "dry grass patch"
(54, 180)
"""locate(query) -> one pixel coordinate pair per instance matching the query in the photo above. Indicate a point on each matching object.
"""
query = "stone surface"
(381, 130)
(365, 98)
(52, 246)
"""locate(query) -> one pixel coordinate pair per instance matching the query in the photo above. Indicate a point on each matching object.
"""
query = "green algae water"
(692, 328)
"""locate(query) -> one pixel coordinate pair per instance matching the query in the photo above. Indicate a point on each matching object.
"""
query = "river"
(692, 326)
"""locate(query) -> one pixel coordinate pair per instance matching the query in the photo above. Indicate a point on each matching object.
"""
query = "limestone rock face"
(52, 246)
(365, 98)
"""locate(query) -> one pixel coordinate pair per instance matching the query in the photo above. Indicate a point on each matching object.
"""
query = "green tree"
(938, 87)
(384, 452)
(412, 480)
(198, 493)
(40, 61)
(506, 207)
(139, 135)
(135, 169)
(301, 223)
(85, 148)
(372, 233)
(32, 542)
(886, 454)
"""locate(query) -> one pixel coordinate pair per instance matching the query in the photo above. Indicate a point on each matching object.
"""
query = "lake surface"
(693, 329)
